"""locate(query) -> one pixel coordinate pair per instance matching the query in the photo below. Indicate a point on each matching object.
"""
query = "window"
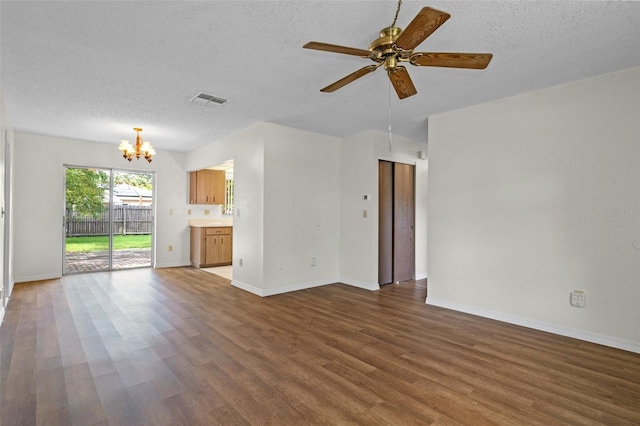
(228, 197)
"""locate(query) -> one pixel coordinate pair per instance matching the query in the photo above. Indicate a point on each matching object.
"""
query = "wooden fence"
(127, 220)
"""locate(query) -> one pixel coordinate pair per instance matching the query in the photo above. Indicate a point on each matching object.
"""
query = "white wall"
(39, 201)
(286, 184)
(6, 135)
(523, 195)
(301, 210)
(300, 196)
(359, 156)
(246, 149)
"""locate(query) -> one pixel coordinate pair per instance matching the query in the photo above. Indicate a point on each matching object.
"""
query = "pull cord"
(390, 135)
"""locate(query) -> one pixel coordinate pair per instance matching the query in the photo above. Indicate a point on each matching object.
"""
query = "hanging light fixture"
(142, 148)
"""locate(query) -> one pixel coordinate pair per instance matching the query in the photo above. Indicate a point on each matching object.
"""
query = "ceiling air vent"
(208, 100)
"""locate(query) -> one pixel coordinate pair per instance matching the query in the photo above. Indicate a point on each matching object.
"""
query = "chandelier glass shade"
(141, 149)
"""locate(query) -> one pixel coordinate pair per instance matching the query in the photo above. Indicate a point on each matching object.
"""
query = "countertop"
(211, 223)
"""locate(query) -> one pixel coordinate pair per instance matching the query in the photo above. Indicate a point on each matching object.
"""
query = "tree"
(138, 180)
(85, 190)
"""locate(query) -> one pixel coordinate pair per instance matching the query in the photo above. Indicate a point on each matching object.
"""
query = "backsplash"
(201, 211)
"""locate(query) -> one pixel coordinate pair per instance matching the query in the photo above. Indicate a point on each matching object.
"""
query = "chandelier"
(142, 148)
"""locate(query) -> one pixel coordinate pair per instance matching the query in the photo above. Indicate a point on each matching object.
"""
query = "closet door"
(385, 222)
(404, 245)
(396, 216)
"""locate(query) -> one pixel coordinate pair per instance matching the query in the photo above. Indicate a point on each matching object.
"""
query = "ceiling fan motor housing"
(384, 47)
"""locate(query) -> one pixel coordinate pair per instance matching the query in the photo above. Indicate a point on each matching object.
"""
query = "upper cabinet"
(207, 187)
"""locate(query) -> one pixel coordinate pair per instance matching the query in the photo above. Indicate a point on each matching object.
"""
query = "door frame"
(112, 171)
(7, 286)
(391, 262)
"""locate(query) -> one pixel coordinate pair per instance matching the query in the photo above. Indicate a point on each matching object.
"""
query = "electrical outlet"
(207, 211)
(240, 262)
(364, 214)
(188, 211)
(313, 261)
(577, 298)
(170, 248)
(170, 212)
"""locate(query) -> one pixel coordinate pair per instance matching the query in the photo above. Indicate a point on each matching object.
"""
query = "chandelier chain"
(397, 12)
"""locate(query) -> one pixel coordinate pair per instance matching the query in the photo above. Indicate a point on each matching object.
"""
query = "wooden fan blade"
(452, 60)
(402, 82)
(326, 47)
(351, 77)
(423, 25)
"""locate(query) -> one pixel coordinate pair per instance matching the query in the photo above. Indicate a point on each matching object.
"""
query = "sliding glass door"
(108, 221)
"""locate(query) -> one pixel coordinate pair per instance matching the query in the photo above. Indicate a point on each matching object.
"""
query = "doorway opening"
(396, 226)
(108, 219)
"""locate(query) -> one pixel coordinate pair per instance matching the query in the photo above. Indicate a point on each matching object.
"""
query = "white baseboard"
(247, 287)
(302, 286)
(29, 278)
(279, 290)
(421, 276)
(587, 336)
(1, 314)
(171, 265)
(296, 287)
(361, 284)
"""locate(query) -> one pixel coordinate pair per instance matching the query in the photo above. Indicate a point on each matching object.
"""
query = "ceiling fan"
(395, 46)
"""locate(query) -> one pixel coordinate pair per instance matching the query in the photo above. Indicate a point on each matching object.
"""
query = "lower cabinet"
(211, 246)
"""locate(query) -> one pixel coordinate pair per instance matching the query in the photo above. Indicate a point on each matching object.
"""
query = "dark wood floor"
(182, 347)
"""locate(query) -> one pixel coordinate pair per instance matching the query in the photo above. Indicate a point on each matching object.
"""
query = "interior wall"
(39, 198)
(246, 149)
(6, 133)
(534, 196)
(301, 198)
(359, 156)
(301, 211)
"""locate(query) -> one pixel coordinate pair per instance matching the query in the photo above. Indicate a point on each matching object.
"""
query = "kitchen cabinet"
(211, 246)
(207, 187)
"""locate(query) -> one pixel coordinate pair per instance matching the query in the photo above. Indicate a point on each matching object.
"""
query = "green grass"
(101, 243)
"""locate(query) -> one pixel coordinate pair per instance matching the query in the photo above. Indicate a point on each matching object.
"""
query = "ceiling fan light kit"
(395, 46)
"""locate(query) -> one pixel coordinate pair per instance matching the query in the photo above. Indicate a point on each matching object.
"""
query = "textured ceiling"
(93, 70)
